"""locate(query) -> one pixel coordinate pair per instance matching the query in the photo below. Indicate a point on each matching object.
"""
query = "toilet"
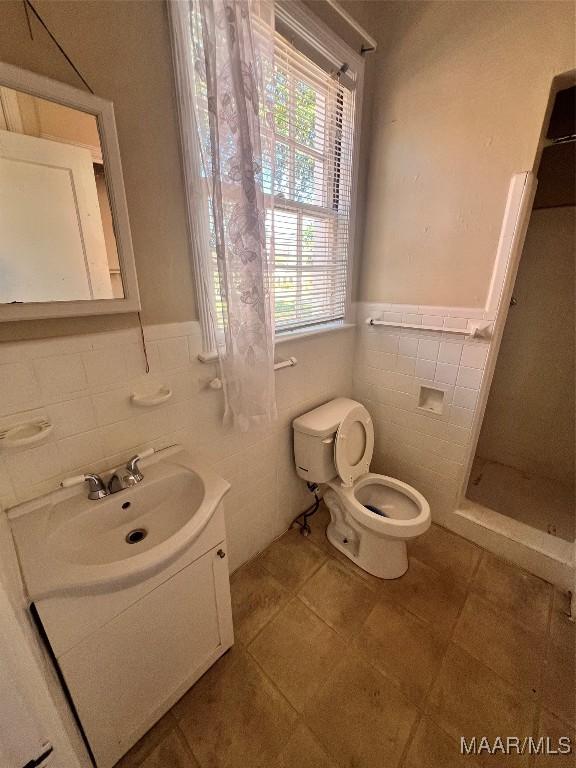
(372, 516)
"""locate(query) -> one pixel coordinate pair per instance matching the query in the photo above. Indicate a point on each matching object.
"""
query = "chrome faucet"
(131, 476)
(96, 486)
(121, 479)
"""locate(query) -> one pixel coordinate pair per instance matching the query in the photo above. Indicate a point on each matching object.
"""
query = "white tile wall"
(428, 349)
(465, 398)
(450, 353)
(82, 384)
(427, 450)
(445, 373)
(469, 377)
(425, 369)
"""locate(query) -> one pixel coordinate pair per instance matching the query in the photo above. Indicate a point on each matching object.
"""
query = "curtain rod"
(372, 44)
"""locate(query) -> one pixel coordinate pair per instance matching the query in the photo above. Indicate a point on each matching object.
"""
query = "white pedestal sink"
(131, 592)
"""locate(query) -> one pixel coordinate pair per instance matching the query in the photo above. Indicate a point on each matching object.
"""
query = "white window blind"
(308, 153)
(313, 136)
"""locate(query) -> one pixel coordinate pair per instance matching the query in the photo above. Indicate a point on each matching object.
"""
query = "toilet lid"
(354, 445)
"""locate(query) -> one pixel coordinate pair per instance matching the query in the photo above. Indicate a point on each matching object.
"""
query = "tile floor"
(545, 504)
(333, 668)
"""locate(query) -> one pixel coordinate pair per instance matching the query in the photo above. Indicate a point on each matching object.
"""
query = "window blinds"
(307, 159)
(312, 140)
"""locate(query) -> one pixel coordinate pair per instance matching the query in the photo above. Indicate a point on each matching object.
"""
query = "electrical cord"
(305, 529)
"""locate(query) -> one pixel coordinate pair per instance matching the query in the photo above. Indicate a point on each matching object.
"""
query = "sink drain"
(136, 535)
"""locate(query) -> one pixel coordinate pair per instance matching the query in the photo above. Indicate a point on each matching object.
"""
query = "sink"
(68, 543)
(159, 507)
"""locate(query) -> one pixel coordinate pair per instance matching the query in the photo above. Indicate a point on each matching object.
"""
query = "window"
(313, 137)
(308, 162)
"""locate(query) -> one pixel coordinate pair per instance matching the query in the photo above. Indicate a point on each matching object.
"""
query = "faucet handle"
(96, 486)
(132, 465)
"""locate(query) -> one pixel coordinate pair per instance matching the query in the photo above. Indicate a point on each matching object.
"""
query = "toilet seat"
(354, 445)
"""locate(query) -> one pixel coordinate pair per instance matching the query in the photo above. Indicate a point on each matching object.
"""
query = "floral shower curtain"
(223, 52)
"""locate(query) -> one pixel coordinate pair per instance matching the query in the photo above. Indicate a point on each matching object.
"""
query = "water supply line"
(305, 529)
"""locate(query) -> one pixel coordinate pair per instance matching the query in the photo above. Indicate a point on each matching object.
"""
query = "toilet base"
(380, 556)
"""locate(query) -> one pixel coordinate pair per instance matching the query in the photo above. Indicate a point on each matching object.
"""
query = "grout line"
(543, 671)
(449, 641)
(186, 741)
(271, 682)
(410, 739)
(278, 609)
(306, 542)
(183, 738)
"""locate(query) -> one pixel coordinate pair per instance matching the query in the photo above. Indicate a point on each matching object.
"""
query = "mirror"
(65, 246)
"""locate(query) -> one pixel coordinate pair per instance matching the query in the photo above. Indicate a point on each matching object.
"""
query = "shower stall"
(525, 455)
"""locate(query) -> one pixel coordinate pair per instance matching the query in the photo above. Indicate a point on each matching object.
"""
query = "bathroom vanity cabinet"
(125, 657)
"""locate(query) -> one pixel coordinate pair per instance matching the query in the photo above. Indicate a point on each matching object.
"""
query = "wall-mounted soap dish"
(25, 434)
(150, 400)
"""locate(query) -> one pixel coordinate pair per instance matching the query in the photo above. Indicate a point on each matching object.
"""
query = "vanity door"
(127, 674)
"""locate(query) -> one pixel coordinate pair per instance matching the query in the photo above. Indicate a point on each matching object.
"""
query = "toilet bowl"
(371, 516)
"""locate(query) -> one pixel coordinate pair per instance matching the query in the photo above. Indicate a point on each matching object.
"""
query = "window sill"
(314, 330)
(317, 330)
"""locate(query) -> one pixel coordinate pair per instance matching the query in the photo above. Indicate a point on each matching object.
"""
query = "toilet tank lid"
(325, 419)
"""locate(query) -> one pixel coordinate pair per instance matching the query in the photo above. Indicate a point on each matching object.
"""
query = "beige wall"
(123, 51)
(529, 421)
(454, 101)
(460, 93)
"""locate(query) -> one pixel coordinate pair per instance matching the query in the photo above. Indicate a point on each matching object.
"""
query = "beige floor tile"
(526, 597)
(424, 592)
(234, 717)
(172, 752)
(297, 650)
(468, 699)
(507, 647)
(351, 652)
(432, 748)
(339, 597)
(256, 597)
(360, 717)
(292, 559)
(303, 751)
(562, 629)
(149, 742)
(403, 647)
(447, 553)
(559, 682)
(554, 729)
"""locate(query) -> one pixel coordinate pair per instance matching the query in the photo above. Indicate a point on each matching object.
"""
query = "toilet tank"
(314, 434)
